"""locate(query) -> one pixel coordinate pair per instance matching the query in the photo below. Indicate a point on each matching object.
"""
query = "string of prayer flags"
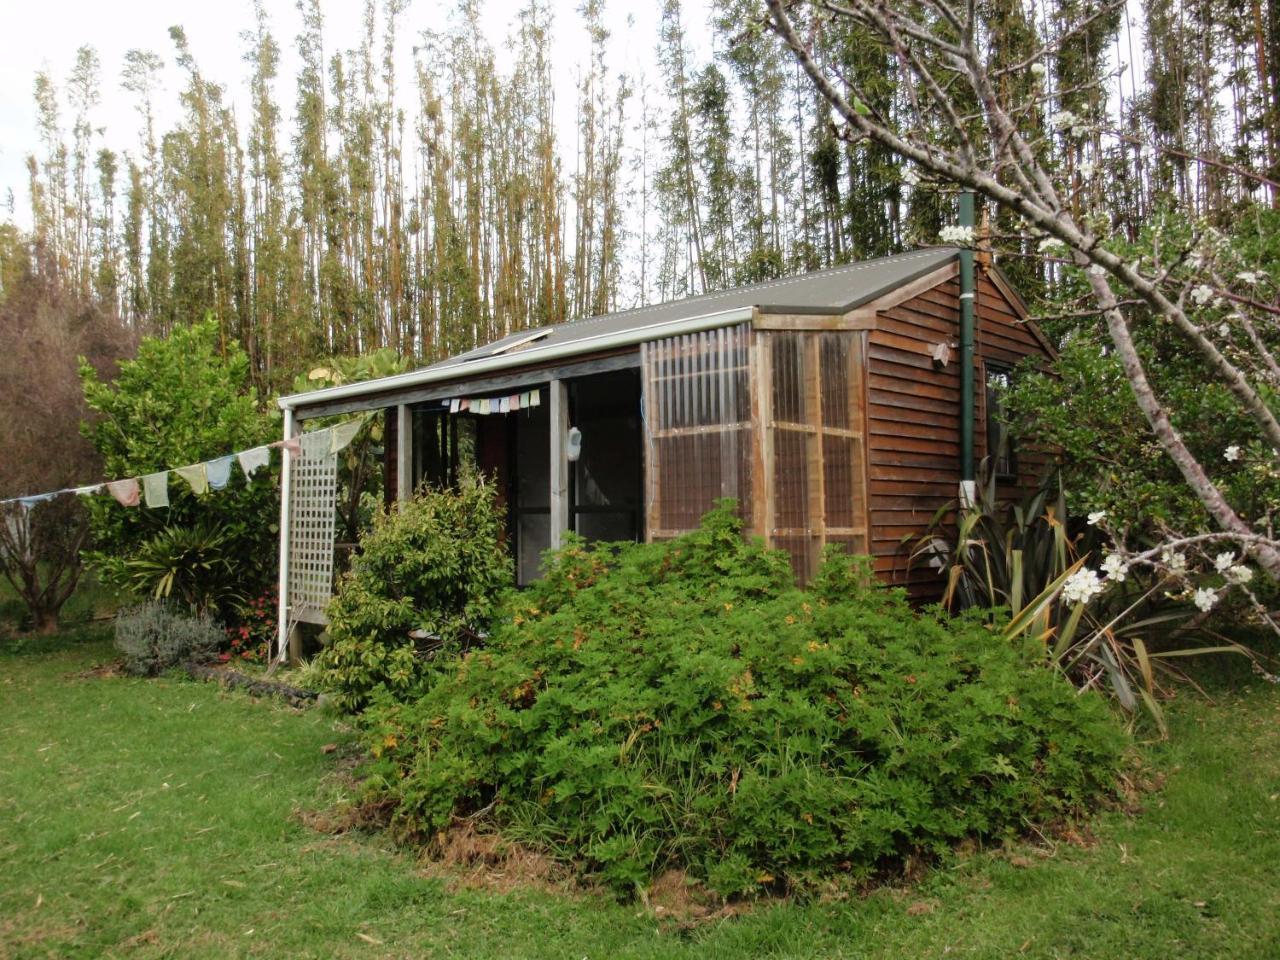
(213, 474)
(125, 491)
(483, 406)
(196, 476)
(251, 460)
(218, 472)
(155, 489)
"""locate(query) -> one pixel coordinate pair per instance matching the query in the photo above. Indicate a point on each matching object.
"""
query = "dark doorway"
(606, 493)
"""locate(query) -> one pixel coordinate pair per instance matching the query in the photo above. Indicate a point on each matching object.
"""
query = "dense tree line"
(432, 212)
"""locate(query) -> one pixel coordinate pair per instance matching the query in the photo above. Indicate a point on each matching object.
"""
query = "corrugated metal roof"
(834, 290)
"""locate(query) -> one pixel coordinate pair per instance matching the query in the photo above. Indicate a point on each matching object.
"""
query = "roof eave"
(511, 361)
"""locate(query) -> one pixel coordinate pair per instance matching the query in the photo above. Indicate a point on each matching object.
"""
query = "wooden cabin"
(827, 404)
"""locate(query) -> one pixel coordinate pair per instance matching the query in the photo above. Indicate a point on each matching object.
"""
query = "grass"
(158, 819)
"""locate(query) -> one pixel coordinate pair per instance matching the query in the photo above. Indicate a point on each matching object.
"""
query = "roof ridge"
(735, 291)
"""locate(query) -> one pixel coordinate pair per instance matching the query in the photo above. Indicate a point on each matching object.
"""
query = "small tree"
(184, 400)
(43, 329)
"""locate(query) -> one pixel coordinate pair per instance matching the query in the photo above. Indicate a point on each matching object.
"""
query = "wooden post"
(648, 419)
(559, 416)
(859, 420)
(767, 491)
(404, 455)
(812, 386)
(282, 584)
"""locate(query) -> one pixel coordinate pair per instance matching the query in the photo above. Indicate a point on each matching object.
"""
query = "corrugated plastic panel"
(815, 454)
(699, 431)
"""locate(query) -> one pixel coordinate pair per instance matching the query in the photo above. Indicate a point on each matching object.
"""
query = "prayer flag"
(455, 405)
(195, 476)
(156, 488)
(218, 472)
(344, 433)
(251, 460)
(515, 403)
(125, 491)
(535, 398)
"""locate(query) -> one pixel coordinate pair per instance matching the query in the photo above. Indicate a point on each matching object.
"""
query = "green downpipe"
(967, 296)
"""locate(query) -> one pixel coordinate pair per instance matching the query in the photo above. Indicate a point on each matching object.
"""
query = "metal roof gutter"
(507, 361)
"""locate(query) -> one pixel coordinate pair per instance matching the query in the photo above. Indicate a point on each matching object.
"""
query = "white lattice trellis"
(312, 514)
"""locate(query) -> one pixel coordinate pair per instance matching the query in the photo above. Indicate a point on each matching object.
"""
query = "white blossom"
(957, 235)
(1052, 245)
(1082, 586)
(1096, 517)
(1205, 599)
(1201, 295)
(1233, 453)
(1063, 120)
(1224, 330)
(1224, 561)
(1097, 270)
(1239, 574)
(1248, 276)
(1115, 567)
(1037, 70)
(1174, 560)
(1087, 170)
(910, 177)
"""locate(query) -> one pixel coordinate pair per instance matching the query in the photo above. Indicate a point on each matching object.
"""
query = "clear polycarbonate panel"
(838, 457)
(698, 426)
(834, 353)
(815, 450)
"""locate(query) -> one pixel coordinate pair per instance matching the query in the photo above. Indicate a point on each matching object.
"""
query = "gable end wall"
(913, 423)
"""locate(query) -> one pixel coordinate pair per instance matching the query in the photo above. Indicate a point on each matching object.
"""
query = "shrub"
(156, 636)
(433, 568)
(1021, 566)
(192, 564)
(685, 705)
(184, 400)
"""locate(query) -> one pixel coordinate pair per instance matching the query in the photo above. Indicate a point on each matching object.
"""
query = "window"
(1000, 445)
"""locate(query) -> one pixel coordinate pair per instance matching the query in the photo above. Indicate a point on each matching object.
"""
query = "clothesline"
(153, 488)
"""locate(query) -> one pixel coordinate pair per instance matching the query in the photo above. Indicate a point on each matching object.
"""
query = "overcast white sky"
(45, 34)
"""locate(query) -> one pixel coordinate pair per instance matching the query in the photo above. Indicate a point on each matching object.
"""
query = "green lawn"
(157, 819)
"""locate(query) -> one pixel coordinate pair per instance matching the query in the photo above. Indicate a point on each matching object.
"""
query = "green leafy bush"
(183, 400)
(685, 705)
(156, 636)
(427, 578)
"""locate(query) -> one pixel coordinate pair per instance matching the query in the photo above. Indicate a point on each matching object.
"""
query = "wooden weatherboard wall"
(913, 403)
